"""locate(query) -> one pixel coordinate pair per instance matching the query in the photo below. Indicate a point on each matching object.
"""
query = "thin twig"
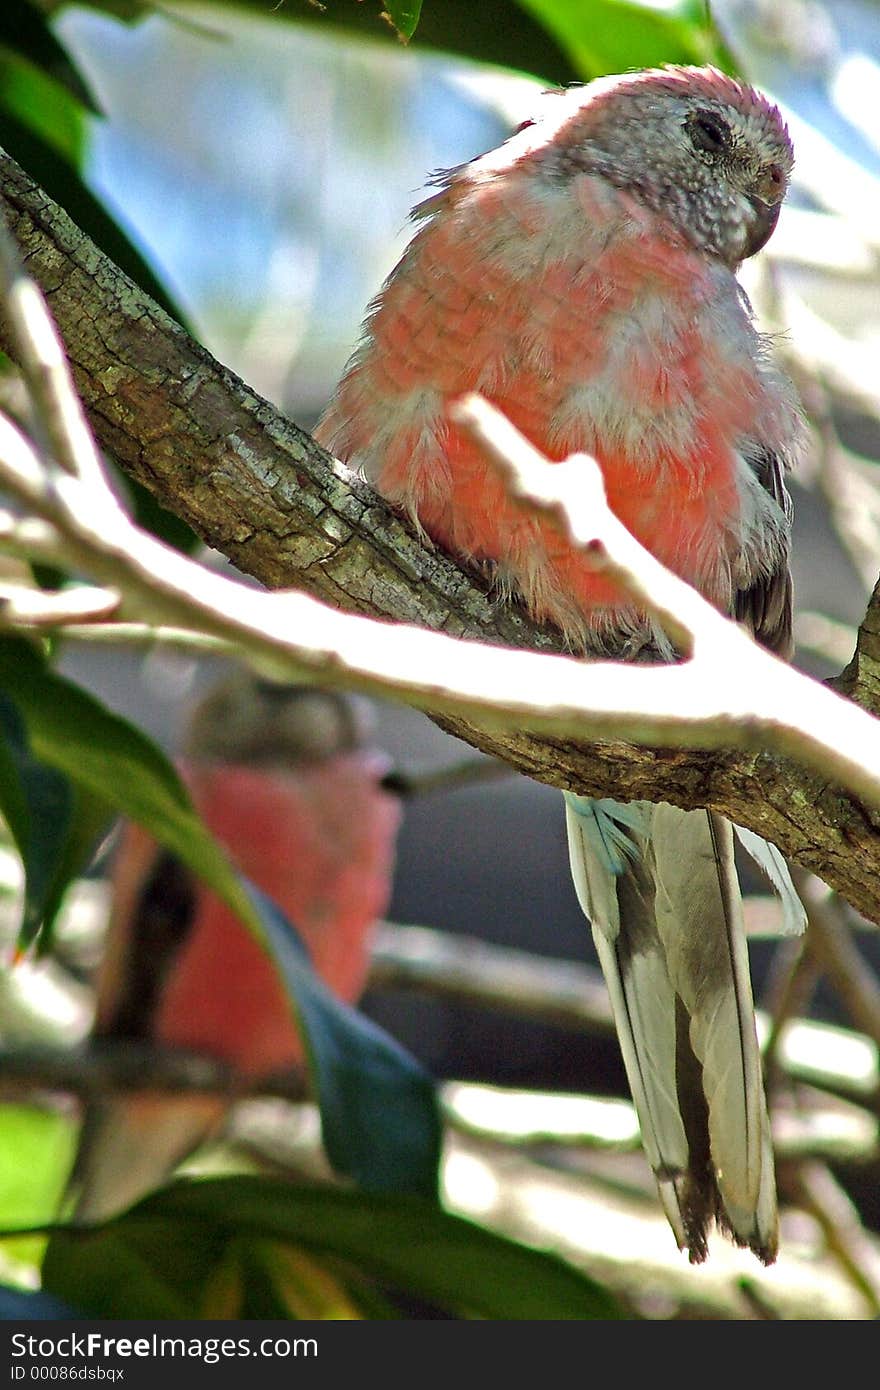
(732, 694)
(571, 496)
(815, 1188)
(21, 606)
(533, 1118)
(512, 1117)
(468, 772)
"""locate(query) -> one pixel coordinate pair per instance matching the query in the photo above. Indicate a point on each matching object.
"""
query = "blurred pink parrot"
(582, 277)
(281, 777)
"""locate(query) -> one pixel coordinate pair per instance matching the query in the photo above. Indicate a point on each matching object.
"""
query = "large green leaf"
(89, 822)
(54, 826)
(157, 1260)
(379, 1113)
(404, 15)
(36, 1149)
(37, 802)
(44, 108)
(23, 30)
(14, 802)
(602, 36)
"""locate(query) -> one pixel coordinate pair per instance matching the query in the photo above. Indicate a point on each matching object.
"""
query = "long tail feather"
(699, 919)
(660, 890)
(608, 871)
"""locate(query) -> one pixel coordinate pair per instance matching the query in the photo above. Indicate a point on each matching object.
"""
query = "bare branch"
(126, 1066)
(487, 976)
(701, 702)
(525, 1118)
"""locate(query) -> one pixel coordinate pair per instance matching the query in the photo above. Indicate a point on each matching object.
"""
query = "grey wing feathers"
(766, 608)
(765, 604)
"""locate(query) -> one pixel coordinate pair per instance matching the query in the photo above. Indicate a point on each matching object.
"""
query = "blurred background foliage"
(252, 165)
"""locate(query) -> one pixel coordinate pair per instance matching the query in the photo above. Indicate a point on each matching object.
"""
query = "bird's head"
(244, 719)
(710, 154)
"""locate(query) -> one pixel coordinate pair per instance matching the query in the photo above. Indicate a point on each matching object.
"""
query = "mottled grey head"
(709, 153)
(245, 719)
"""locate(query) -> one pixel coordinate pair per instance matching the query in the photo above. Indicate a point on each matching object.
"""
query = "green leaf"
(155, 1269)
(404, 15)
(559, 40)
(36, 1149)
(605, 36)
(153, 517)
(379, 1115)
(89, 822)
(156, 1261)
(13, 800)
(113, 761)
(56, 825)
(24, 31)
(38, 103)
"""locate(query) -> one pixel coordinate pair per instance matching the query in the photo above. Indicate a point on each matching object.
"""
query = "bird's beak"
(766, 217)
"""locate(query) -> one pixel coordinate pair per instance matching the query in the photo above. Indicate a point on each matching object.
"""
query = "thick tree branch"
(256, 487)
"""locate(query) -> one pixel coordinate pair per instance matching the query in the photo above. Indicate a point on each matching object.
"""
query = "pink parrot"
(281, 777)
(582, 277)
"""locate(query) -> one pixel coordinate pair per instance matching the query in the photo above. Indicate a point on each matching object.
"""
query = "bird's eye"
(708, 132)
